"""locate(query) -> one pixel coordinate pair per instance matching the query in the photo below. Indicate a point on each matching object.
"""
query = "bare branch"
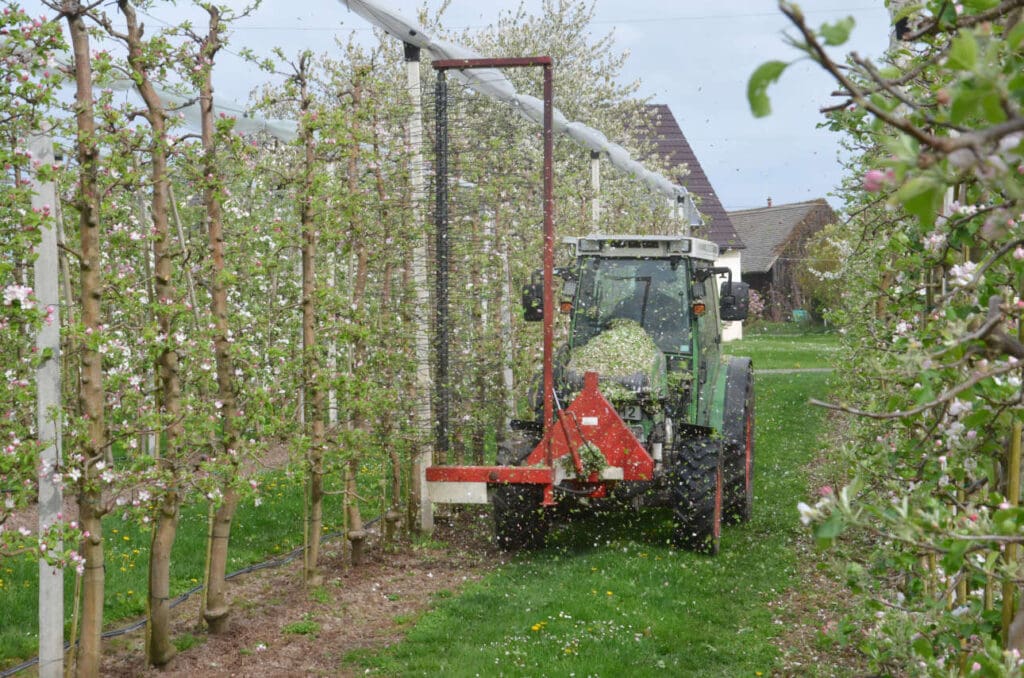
(968, 21)
(974, 140)
(944, 397)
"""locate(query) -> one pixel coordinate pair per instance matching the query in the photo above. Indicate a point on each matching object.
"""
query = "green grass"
(187, 641)
(258, 534)
(773, 351)
(304, 627)
(608, 596)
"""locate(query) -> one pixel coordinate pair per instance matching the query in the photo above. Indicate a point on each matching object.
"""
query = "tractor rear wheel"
(694, 477)
(738, 430)
(520, 520)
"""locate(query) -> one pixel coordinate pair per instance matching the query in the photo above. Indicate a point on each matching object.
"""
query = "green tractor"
(640, 407)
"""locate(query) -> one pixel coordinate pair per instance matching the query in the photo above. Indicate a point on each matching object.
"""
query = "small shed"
(776, 238)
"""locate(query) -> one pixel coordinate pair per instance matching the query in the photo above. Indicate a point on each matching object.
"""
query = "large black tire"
(520, 521)
(694, 475)
(738, 431)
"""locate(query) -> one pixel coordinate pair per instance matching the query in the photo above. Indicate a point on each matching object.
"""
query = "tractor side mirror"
(568, 294)
(734, 300)
(533, 298)
(533, 294)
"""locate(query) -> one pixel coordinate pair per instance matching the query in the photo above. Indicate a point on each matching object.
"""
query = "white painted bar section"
(444, 492)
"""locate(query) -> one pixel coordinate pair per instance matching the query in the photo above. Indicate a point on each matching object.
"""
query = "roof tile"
(766, 231)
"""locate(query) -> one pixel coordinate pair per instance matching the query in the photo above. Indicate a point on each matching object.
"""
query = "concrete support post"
(424, 456)
(48, 422)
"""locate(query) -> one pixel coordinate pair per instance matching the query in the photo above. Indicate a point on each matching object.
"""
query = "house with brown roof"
(671, 146)
(776, 239)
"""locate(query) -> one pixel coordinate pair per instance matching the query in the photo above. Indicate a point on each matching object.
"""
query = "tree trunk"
(314, 392)
(91, 395)
(159, 649)
(356, 533)
(358, 421)
(90, 512)
(217, 607)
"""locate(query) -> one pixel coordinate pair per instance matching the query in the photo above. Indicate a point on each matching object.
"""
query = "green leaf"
(947, 17)
(1016, 84)
(757, 87)
(966, 103)
(923, 647)
(992, 105)
(979, 5)
(902, 147)
(954, 558)
(963, 53)
(1007, 521)
(921, 196)
(923, 395)
(826, 532)
(837, 33)
(1016, 36)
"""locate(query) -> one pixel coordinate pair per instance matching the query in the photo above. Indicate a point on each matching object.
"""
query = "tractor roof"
(643, 246)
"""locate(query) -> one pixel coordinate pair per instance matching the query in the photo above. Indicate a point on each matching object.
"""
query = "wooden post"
(47, 277)
(1013, 498)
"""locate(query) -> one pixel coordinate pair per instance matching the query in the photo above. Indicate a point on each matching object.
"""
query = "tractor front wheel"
(694, 476)
(520, 519)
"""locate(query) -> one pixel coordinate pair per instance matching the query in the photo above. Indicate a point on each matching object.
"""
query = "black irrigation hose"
(135, 626)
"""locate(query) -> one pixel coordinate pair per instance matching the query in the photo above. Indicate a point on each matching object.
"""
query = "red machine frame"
(590, 418)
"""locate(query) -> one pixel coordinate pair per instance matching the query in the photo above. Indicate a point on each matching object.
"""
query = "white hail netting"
(493, 83)
(245, 121)
(488, 81)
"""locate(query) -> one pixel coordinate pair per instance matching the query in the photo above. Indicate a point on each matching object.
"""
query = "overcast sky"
(693, 55)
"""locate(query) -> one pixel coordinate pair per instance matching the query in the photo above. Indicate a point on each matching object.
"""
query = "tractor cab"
(647, 280)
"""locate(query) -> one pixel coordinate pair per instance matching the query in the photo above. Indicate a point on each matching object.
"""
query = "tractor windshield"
(652, 292)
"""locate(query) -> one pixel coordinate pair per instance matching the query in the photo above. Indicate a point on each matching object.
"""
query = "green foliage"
(963, 52)
(27, 93)
(622, 350)
(926, 296)
(320, 595)
(591, 458)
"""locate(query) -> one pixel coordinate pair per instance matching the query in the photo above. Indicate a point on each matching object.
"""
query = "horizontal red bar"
(512, 62)
(491, 474)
